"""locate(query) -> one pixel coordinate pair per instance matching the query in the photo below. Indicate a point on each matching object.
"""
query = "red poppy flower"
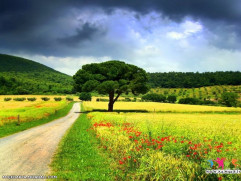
(120, 162)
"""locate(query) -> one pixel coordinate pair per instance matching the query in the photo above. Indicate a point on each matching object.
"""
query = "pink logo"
(220, 162)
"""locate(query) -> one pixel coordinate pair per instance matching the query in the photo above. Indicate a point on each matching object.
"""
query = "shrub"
(19, 99)
(31, 99)
(102, 100)
(57, 98)
(127, 99)
(154, 97)
(229, 99)
(45, 98)
(208, 102)
(85, 96)
(188, 100)
(7, 99)
(172, 98)
(69, 99)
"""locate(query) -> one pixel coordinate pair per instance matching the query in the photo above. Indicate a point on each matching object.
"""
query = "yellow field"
(177, 145)
(28, 110)
(158, 107)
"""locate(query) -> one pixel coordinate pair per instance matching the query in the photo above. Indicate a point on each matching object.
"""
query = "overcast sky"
(157, 35)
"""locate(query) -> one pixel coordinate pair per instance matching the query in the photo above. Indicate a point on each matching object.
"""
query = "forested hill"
(190, 79)
(23, 76)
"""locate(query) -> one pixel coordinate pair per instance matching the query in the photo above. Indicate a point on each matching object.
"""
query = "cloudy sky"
(157, 35)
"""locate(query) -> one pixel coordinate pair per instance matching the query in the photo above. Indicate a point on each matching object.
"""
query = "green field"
(17, 116)
(209, 93)
(171, 145)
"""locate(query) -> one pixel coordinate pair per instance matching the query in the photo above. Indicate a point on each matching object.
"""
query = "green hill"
(23, 76)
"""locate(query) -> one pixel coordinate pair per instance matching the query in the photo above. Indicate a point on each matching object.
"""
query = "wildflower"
(124, 158)
(188, 155)
(120, 162)
(130, 137)
(129, 157)
(134, 160)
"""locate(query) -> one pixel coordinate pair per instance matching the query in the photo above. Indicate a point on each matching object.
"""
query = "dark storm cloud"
(32, 26)
(87, 32)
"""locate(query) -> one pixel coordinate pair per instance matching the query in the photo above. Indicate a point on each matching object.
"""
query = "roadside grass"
(12, 128)
(78, 156)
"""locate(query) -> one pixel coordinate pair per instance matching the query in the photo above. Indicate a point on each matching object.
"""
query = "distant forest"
(190, 79)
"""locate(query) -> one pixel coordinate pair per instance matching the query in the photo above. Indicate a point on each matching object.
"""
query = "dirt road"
(29, 152)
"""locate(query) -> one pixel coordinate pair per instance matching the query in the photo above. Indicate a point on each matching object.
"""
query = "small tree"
(85, 96)
(112, 78)
(172, 98)
(229, 99)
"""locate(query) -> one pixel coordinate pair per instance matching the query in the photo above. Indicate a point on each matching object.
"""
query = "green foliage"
(57, 98)
(85, 96)
(69, 99)
(191, 79)
(102, 100)
(111, 77)
(189, 100)
(208, 102)
(229, 99)
(45, 98)
(78, 157)
(21, 76)
(19, 99)
(154, 97)
(171, 98)
(7, 99)
(127, 99)
(9, 129)
(31, 99)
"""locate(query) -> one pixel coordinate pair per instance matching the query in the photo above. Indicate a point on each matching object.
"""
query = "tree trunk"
(110, 106)
(111, 102)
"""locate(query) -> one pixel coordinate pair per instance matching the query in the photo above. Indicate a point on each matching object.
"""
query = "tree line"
(191, 79)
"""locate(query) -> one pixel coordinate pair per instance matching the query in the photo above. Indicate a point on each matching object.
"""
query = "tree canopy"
(113, 78)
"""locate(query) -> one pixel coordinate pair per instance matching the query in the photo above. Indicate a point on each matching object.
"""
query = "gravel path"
(29, 152)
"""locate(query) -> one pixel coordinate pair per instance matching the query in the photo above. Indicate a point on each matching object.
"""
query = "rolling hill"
(23, 76)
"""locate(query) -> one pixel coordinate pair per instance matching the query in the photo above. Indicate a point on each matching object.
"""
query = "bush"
(7, 99)
(172, 98)
(19, 99)
(31, 99)
(69, 99)
(85, 96)
(229, 99)
(57, 98)
(154, 97)
(188, 100)
(208, 102)
(45, 98)
(102, 100)
(127, 99)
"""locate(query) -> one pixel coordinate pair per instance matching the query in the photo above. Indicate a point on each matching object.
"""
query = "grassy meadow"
(159, 107)
(174, 142)
(28, 110)
(17, 116)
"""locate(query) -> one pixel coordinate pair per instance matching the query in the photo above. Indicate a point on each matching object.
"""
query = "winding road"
(29, 152)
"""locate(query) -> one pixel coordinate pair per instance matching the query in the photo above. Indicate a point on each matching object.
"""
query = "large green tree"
(112, 78)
